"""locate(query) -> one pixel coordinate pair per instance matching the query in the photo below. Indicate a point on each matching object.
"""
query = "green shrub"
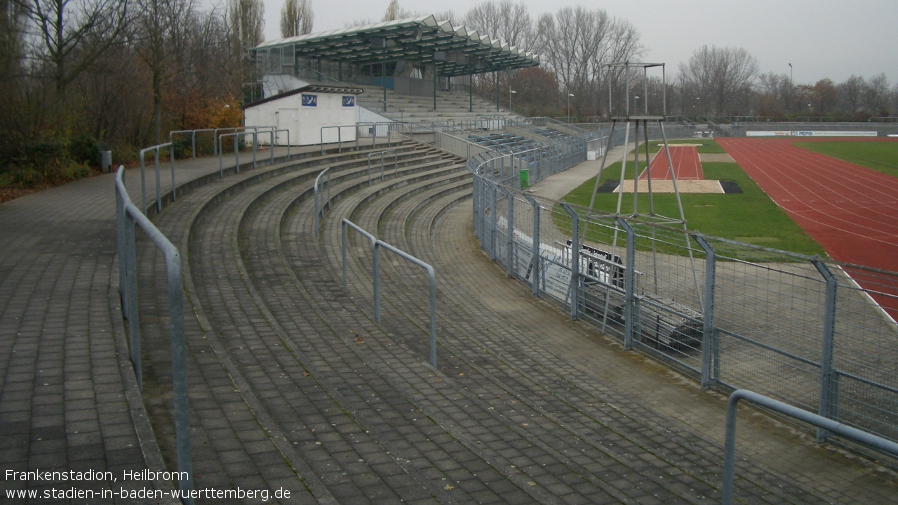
(44, 152)
(86, 149)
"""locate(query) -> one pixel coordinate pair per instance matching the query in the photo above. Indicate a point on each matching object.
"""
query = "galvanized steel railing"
(822, 423)
(382, 153)
(128, 218)
(376, 245)
(143, 179)
(236, 136)
(320, 201)
(339, 137)
(171, 136)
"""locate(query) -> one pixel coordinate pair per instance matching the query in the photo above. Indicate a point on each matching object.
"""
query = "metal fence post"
(509, 239)
(120, 248)
(574, 284)
(220, 162)
(343, 248)
(709, 342)
(827, 377)
(236, 155)
(475, 194)
(131, 297)
(629, 284)
(158, 181)
(535, 247)
(255, 145)
(171, 161)
(376, 275)
(494, 219)
(179, 369)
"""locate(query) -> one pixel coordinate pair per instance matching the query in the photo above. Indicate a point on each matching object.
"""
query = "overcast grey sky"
(820, 38)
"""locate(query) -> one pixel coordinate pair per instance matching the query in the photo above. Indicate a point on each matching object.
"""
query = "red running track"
(685, 162)
(850, 210)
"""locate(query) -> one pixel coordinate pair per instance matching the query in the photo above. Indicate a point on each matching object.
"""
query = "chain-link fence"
(813, 333)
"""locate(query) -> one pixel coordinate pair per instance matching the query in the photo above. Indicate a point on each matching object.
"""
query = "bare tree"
(876, 96)
(12, 83)
(163, 35)
(722, 78)
(851, 95)
(296, 18)
(73, 35)
(247, 21)
(577, 44)
(893, 101)
(773, 95)
(447, 15)
(394, 12)
(12, 14)
(502, 19)
(826, 98)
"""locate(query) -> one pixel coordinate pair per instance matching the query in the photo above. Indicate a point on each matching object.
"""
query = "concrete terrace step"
(515, 410)
(212, 231)
(407, 300)
(293, 384)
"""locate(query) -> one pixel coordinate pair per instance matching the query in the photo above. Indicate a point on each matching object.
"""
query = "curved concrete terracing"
(293, 385)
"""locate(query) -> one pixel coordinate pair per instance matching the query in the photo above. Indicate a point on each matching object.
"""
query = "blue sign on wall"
(348, 101)
(309, 100)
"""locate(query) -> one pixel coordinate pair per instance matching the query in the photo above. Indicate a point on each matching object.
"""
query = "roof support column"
(497, 91)
(383, 72)
(470, 92)
(435, 83)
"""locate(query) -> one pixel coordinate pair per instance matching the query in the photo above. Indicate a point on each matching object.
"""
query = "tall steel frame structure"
(641, 120)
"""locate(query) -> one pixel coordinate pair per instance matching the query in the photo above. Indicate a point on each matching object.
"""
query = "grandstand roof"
(423, 39)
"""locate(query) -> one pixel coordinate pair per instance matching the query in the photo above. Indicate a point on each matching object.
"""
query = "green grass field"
(879, 156)
(749, 217)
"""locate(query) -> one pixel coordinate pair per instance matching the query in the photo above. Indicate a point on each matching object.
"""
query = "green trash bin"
(525, 178)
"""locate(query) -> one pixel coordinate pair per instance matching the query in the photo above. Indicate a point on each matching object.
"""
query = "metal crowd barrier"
(376, 245)
(729, 461)
(143, 180)
(128, 217)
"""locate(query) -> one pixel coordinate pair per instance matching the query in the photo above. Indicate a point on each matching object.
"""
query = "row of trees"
(575, 45)
(125, 72)
(78, 76)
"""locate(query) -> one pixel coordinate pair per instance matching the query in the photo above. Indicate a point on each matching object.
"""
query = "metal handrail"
(376, 245)
(273, 143)
(143, 180)
(234, 129)
(192, 133)
(339, 137)
(127, 217)
(840, 429)
(382, 153)
(236, 151)
(319, 209)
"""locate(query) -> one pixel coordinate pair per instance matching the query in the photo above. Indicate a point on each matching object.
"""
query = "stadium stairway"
(293, 385)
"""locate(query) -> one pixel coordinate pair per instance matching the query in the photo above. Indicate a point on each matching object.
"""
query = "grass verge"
(879, 156)
(750, 217)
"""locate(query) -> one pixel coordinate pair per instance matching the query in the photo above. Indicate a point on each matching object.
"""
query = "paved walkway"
(295, 387)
